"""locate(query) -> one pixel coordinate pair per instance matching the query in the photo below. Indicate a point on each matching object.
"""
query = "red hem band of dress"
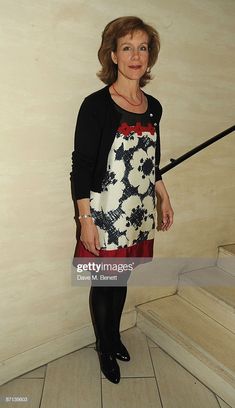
(141, 249)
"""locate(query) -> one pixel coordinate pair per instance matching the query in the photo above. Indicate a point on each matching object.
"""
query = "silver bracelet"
(85, 216)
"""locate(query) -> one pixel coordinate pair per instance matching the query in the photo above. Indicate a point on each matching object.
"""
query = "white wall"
(48, 65)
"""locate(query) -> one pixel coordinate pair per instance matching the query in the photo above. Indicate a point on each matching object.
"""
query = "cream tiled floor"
(152, 379)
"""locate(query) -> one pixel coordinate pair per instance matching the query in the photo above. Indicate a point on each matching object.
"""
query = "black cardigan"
(96, 127)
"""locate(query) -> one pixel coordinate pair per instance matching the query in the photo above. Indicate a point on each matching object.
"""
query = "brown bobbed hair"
(113, 31)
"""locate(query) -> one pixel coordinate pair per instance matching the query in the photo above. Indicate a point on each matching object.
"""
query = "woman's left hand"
(167, 214)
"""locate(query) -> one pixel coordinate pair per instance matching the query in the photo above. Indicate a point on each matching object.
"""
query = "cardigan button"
(151, 114)
(155, 124)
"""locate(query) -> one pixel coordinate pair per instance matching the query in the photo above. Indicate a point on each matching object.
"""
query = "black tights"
(106, 306)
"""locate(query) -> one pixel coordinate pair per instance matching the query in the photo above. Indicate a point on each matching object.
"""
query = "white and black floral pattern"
(124, 211)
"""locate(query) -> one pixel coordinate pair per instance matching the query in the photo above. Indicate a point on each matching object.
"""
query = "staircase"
(196, 326)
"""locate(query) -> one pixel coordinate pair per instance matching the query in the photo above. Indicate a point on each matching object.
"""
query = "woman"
(116, 174)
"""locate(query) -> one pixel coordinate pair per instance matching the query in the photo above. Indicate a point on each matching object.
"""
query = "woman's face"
(132, 55)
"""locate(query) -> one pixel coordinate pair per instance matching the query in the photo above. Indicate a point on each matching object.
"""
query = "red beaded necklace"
(127, 99)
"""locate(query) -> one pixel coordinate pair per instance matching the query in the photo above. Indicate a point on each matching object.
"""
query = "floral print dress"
(124, 210)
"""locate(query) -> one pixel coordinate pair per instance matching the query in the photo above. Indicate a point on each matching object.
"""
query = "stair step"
(212, 290)
(199, 343)
(226, 258)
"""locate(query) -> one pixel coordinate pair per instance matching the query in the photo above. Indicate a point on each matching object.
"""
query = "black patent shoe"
(109, 366)
(121, 352)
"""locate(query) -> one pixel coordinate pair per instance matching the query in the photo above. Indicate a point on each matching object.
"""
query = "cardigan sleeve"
(158, 150)
(86, 145)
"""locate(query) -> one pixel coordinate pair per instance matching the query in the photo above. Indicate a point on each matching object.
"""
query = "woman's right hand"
(89, 235)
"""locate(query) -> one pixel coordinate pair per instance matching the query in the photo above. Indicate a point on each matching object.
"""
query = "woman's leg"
(118, 301)
(100, 301)
(106, 307)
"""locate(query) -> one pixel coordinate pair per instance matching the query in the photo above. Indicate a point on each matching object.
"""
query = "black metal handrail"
(175, 162)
